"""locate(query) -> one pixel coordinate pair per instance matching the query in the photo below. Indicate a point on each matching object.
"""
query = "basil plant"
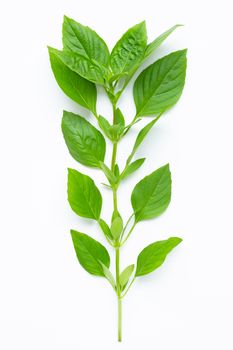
(84, 63)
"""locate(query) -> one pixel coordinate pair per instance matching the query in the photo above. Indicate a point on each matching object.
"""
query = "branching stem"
(119, 242)
(117, 247)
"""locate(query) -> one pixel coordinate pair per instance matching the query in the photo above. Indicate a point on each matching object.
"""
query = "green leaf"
(117, 227)
(131, 168)
(85, 143)
(115, 214)
(113, 132)
(141, 135)
(90, 253)
(116, 171)
(152, 195)
(159, 40)
(154, 255)
(73, 85)
(108, 275)
(129, 50)
(84, 41)
(83, 195)
(150, 49)
(119, 118)
(106, 229)
(160, 85)
(125, 276)
(105, 126)
(83, 66)
(108, 173)
(116, 131)
(106, 185)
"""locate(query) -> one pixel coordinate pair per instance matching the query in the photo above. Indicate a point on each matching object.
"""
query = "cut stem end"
(119, 320)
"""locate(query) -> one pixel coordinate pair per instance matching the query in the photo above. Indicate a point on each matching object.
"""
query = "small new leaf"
(83, 195)
(125, 276)
(85, 143)
(90, 253)
(108, 275)
(115, 214)
(117, 171)
(152, 195)
(108, 173)
(154, 255)
(117, 227)
(113, 132)
(131, 168)
(119, 117)
(160, 85)
(141, 135)
(159, 40)
(106, 229)
(105, 126)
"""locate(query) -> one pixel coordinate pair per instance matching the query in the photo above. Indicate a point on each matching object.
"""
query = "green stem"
(115, 199)
(114, 188)
(118, 294)
(119, 319)
(114, 153)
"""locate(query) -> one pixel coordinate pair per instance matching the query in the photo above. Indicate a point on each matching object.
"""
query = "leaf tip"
(74, 235)
(141, 24)
(51, 50)
(64, 113)
(70, 171)
(184, 51)
(66, 19)
(167, 167)
(177, 240)
(72, 232)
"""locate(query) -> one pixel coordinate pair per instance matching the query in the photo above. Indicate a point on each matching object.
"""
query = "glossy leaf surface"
(152, 195)
(90, 253)
(125, 276)
(129, 50)
(160, 85)
(83, 195)
(154, 255)
(73, 85)
(131, 168)
(86, 144)
(84, 41)
(83, 66)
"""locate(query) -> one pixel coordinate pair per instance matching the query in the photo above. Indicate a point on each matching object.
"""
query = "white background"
(47, 301)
